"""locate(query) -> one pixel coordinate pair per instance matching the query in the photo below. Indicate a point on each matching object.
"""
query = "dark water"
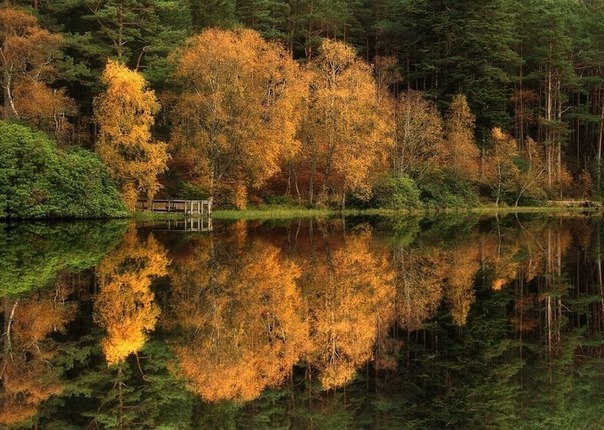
(444, 322)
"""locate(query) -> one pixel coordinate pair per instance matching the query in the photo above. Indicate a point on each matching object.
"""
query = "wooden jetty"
(188, 207)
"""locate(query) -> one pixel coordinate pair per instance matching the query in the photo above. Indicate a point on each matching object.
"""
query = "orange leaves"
(26, 375)
(239, 108)
(124, 113)
(350, 292)
(418, 134)
(249, 314)
(419, 287)
(44, 107)
(125, 304)
(246, 329)
(460, 149)
(346, 128)
(26, 54)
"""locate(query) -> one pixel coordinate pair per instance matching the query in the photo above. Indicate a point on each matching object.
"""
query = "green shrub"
(38, 180)
(396, 192)
(187, 190)
(279, 200)
(447, 190)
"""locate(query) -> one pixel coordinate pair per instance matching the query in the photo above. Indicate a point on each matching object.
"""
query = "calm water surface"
(444, 322)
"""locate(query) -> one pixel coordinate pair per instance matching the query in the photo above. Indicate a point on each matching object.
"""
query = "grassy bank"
(288, 212)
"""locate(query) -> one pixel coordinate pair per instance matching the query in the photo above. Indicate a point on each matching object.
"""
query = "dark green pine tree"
(549, 74)
(311, 20)
(212, 13)
(466, 47)
(268, 17)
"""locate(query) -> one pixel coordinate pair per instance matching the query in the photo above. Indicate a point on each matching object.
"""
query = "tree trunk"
(600, 141)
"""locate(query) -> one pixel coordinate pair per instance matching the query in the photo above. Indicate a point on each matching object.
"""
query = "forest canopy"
(322, 103)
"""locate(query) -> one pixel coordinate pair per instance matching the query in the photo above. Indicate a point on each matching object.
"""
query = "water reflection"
(422, 323)
(38, 266)
(124, 305)
(237, 315)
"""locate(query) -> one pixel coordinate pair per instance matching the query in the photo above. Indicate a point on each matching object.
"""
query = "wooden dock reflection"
(186, 224)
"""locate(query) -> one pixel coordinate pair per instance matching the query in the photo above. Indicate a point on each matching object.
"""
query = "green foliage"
(31, 255)
(396, 192)
(38, 180)
(283, 200)
(139, 394)
(192, 191)
(212, 13)
(445, 189)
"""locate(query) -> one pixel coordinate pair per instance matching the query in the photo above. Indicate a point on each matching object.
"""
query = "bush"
(447, 190)
(396, 192)
(38, 180)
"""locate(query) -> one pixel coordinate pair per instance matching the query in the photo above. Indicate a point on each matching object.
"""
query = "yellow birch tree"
(125, 305)
(346, 130)
(124, 113)
(418, 134)
(459, 150)
(350, 295)
(237, 115)
(241, 325)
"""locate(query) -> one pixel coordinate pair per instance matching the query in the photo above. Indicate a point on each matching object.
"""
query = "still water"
(412, 323)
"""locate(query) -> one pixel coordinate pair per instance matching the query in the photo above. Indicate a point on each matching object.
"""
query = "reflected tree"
(27, 374)
(350, 294)
(243, 323)
(125, 305)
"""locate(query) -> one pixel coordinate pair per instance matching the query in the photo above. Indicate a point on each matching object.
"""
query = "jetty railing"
(188, 207)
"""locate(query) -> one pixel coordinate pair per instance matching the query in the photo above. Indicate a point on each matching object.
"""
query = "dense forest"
(390, 103)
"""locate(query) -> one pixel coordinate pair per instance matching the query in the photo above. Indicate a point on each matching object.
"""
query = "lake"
(460, 322)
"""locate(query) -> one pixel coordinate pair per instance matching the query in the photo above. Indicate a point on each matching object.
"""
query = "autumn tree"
(125, 306)
(459, 150)
(124, 113)
(27, 374)
(240, 318)
(513, 172)
(238, 112)
(45, 108)
(418, 280)
(27, 56)
(460, 268)
(500, 164)
(345, 133)
(350, 296)
(418, 135)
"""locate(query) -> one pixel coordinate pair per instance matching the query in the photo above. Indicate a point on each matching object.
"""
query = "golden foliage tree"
(45, 108)
(418, 277)
(501, 172)
(461, 267)
(124, 113)
(514, 171)
(26, 371)
(243, 323)
(346, 131)
(238, 113)
(349, 293)
(459, 150)
(125, 305)
(418, 134)
(27, 52)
